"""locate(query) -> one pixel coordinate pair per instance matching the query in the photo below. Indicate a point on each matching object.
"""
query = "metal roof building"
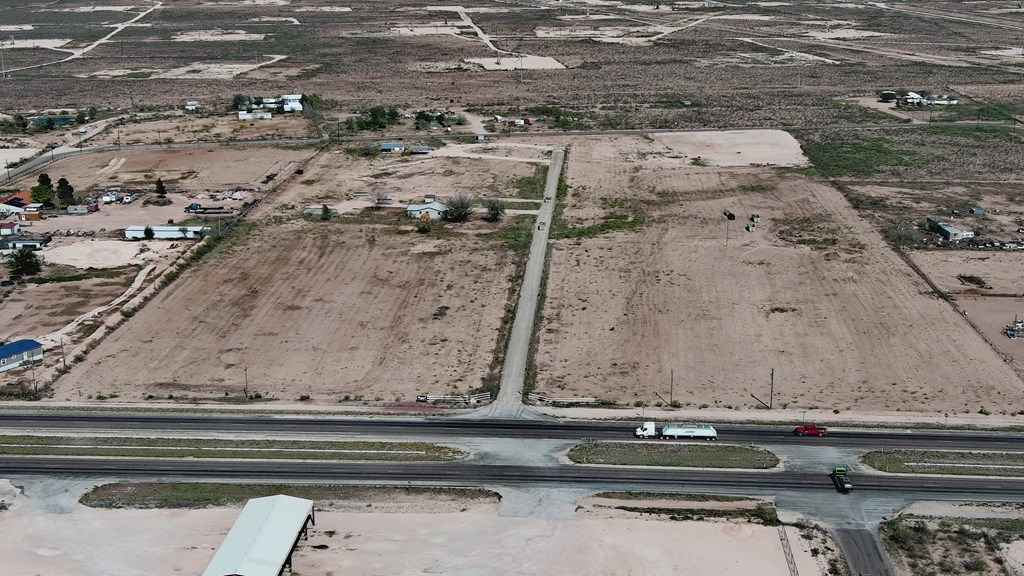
(263, 538)
(18, 352)
(433, 210)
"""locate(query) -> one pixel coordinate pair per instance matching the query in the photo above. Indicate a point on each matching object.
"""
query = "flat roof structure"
(263, 538)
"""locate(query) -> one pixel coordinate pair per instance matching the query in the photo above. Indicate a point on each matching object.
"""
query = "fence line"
(464, 398)
(788, 551)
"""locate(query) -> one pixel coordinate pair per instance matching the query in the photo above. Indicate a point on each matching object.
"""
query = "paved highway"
(146, 423)
(468, 473)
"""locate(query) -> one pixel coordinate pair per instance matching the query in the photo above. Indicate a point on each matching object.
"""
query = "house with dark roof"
(9, 228)
(20, 352)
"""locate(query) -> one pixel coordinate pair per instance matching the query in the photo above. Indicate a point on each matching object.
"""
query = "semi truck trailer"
(676, 431)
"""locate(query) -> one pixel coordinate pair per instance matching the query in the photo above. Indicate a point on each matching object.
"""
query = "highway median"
(232, 449)
(673, 454)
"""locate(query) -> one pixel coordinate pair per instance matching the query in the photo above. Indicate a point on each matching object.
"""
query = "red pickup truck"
(810, 430)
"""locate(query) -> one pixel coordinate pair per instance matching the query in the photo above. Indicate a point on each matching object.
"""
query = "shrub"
(460, 208)
(495, 209)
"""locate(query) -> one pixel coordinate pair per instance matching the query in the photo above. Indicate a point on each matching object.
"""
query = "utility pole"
(63, 357)
(671, 385)
(245, 370)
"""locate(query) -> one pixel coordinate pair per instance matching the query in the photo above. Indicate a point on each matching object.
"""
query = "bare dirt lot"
(679, 294)
(193, 169)
(369, 309)
(64, 538)
(202, 127)
(813, 292)
(992, 308)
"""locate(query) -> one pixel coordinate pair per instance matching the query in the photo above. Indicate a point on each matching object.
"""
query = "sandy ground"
(669, 311)
(1001, 271)
(737, 147)
(12, 155)
(675, 309)
(200, 127)
(509, 62)
(94, 253)
(58, 537)
(193, 170)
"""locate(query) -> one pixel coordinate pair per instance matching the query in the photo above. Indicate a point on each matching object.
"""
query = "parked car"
(841, 480)
(810, 430)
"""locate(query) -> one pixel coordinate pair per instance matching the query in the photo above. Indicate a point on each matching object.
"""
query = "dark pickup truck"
(841, 480)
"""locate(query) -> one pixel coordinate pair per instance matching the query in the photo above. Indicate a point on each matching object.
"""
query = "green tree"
(495, 209)
(240, 101)
(65, 192)
(20, 122)
(24, 261)
(148, 233)
(42, 194)
(92, 113)
(459, 208)
(81, 118)
(161, 190)
(44, 180)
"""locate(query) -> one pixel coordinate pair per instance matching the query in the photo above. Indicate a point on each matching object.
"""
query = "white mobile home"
(432, 210)
(166, 232)
(19, 352)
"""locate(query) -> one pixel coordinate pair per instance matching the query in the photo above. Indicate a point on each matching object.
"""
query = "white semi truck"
(675, 431)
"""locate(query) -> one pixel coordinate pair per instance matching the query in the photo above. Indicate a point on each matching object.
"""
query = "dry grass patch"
(218, 448)
(678, 455)
(327, 497)
(925, 547)
(954, 463)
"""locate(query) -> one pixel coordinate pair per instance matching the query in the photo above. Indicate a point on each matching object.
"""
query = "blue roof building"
(19, 352)
(392, 147)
